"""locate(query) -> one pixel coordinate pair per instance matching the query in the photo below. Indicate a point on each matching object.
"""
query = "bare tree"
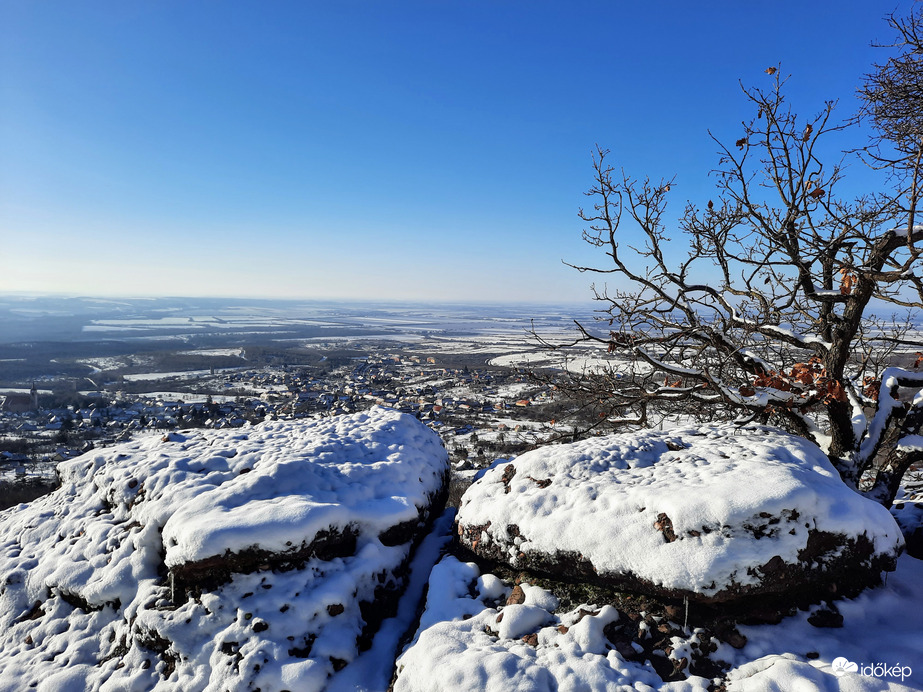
(791, 305)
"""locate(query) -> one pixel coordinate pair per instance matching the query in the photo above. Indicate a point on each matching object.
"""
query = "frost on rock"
(260, 558)
(713, 514)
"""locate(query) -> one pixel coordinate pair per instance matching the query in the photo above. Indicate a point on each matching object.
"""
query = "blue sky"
(392, 150)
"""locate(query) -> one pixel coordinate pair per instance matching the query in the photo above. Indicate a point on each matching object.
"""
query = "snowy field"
(179, 374)
(232, 352)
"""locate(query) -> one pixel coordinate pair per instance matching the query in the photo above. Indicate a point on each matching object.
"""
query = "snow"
(84, 603)
(880, 626)
(365, 480)
(575, 360)
(372, 670)
(891, 379)
(460, 646)
(910, 443)
(901, 231)
(712, 482)
(237, 352)
(179, 374)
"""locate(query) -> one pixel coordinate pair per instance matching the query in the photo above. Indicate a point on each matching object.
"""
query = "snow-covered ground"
(233, 352)
(881, 634)
(470, 640)
(585, 361)
(86, 601)
(603, 502)
(179, 374)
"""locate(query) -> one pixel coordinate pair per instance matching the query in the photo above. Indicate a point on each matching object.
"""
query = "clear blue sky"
(379, 149)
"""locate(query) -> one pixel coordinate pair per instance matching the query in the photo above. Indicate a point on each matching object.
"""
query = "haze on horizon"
(400, 151)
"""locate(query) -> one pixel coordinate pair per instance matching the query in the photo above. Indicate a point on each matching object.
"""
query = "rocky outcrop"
(260, 558)
(714, 515)
(482, 632)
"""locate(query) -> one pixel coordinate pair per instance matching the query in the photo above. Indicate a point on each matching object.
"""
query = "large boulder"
(259, 558)
(714, 514)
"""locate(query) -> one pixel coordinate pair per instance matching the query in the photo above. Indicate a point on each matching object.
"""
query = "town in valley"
(78, 374)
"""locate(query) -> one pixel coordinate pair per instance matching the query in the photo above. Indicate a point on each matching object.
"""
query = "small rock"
(508, 474)
(827, 616)
(735, 639)
(583, 612)
(674, 612)
(763, 616)
(665, 526)
(517, 596)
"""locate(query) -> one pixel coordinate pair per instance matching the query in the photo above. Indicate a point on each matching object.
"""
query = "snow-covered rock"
(472, 638)
(712, 514)
(462, 646)
(240, 559)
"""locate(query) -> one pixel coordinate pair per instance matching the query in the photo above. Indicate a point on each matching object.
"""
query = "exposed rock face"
(714, 514)
(260, 558)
